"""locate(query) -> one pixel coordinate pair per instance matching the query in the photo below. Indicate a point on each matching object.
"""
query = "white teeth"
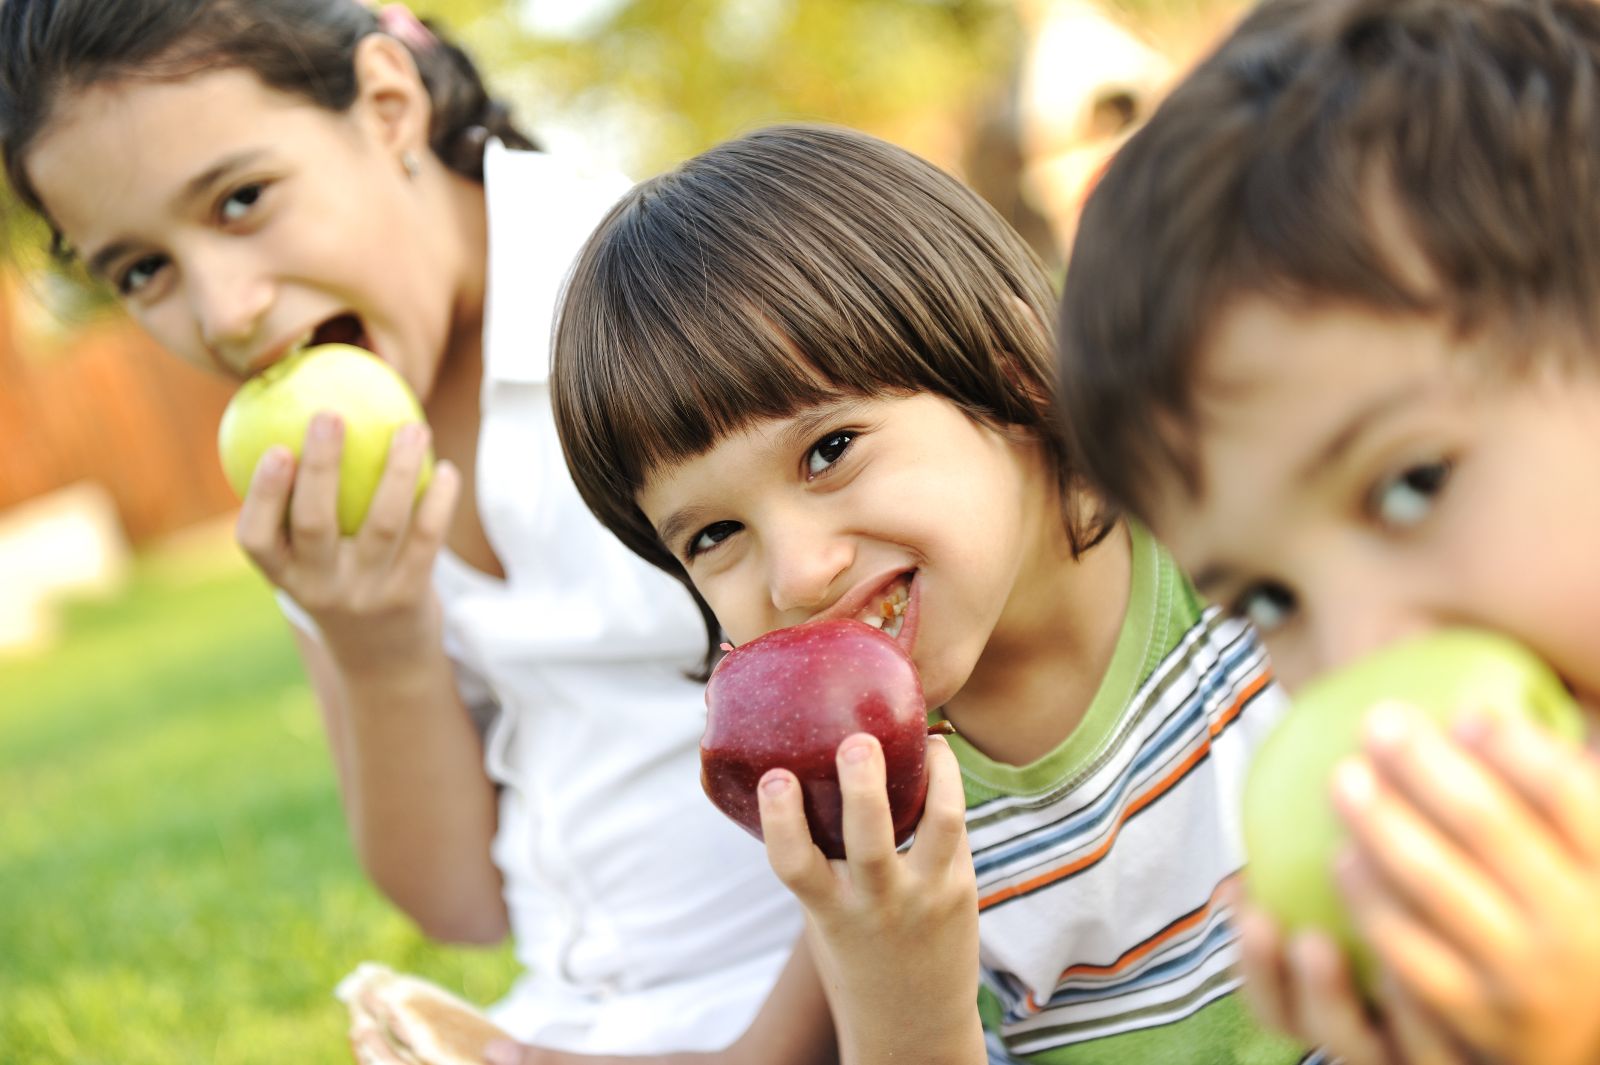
(875, 621)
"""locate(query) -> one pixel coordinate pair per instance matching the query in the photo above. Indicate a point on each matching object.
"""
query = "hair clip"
(401, 23)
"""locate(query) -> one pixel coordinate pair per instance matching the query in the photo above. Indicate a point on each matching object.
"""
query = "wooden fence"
(109, 407)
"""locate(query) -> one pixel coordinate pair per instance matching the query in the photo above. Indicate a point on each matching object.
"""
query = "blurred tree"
(658, 80)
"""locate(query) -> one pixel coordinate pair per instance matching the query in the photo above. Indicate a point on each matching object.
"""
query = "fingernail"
(501, 1052)
(1473, 728)
(1353, 784)
(775, 783)
(325, 426)
(855, 749)
(276, 460)
(413, 435)
(1387, 728)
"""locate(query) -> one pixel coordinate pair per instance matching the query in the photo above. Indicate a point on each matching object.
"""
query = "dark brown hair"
(1418, 157)
(52, 48)
(776, 271)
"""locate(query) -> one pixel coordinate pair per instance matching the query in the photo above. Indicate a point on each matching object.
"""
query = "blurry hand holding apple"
(1292, 831)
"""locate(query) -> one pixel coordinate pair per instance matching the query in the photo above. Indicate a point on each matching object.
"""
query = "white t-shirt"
(647, 921)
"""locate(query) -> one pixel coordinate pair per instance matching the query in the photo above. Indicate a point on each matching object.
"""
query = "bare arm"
(420, 807)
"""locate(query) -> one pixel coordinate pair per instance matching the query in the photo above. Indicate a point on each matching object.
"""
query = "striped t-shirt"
(1101, 935)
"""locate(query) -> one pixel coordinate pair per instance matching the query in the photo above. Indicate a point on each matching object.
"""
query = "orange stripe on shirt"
(1154, 792)
(1141, 950)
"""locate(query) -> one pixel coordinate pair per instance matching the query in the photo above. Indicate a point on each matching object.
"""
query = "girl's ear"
(391, 98)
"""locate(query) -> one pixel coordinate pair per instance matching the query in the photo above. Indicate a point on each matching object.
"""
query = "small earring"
(412, 167)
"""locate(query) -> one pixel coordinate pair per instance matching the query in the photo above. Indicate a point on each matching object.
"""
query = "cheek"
(737, 606)
(172, 328)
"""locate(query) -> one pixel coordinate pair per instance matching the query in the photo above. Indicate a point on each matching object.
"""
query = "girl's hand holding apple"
(352, 542)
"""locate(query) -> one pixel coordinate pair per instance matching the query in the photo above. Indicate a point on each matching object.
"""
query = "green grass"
(176, 884)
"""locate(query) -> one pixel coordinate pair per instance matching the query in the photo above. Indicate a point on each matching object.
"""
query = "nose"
(804, 566)
(229, 301)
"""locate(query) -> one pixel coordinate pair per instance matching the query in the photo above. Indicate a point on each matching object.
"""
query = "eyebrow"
(1208, 578)
(800, 431)
(1358, 425)
(195, 188)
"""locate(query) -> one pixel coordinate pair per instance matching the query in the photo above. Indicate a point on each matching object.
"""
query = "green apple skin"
(1291, 830)
(276, 407)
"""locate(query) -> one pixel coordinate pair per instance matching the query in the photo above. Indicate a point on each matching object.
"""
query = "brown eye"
(1267, 605)
(139, 274)
(711, 536)
(1407, 499)
(240, 201)
(827, 451)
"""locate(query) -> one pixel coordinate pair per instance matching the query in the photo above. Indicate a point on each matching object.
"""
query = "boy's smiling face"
(838, 509)
(1366, 476)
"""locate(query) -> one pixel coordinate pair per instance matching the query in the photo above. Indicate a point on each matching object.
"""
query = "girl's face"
(899, 509)
(237, 222)
(1365, 478)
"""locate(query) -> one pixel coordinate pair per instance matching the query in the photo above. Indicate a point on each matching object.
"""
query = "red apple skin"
(787, 699)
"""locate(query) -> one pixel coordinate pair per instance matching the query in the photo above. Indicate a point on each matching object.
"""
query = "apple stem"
(941, 728)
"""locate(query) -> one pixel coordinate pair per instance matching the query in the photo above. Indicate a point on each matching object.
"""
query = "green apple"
(276, 407)
(1291, 831)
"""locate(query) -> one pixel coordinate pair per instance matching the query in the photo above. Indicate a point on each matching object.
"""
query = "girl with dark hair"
(507, 691)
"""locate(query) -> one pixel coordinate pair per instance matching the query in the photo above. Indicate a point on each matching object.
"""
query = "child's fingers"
(868, 826)
(793, 857)
(1456, 792)
(1559, 781)
(1264, 966)
(1326, 1005)
(1435, 974)
(367, 1044)
(942, 831)
(389, 515)
(1425, 869)
(1415, 1035)
(430, 523)
(259, 530)
(314, 505)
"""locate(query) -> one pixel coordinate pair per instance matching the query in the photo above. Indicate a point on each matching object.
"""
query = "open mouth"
(340, 329)
(888, 613)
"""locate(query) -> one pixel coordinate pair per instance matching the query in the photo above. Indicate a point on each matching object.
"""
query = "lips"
(339, 329)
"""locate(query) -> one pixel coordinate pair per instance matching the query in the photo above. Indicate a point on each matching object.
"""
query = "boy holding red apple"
(807, 374)
(1329, 328)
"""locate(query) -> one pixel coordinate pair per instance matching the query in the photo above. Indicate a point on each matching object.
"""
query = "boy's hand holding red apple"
(895, 936)
(1472, 876)
(828, 719)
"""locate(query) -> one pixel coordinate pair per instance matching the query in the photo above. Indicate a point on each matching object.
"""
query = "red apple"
(788, 698)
